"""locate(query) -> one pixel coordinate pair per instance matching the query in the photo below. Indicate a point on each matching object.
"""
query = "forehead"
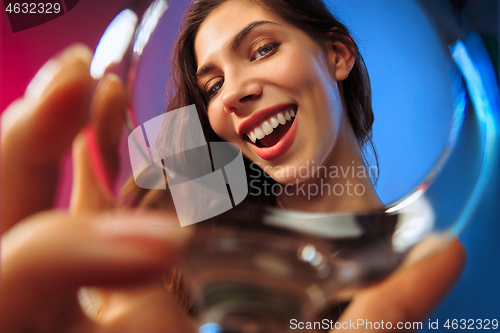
(223, 23)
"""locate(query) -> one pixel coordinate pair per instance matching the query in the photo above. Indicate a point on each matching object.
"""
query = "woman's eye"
(214, 88)
(264, 51)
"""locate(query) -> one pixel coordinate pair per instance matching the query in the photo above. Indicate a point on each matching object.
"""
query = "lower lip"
(281, 147)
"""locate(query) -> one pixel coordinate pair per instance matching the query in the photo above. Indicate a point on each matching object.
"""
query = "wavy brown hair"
(317, 21)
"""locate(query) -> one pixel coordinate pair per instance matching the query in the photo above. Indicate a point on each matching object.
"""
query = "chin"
(296, 173)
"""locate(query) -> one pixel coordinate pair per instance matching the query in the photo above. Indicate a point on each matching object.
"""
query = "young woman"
(243, 63)
(290, 89)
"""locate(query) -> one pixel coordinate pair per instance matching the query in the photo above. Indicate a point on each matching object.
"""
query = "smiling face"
(273, 91)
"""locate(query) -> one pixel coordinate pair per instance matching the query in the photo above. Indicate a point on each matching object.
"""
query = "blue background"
(412, 104)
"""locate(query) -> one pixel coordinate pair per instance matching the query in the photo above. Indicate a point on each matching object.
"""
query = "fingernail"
(51, 68)
(42, 78)
(143, 226)
(110, 79)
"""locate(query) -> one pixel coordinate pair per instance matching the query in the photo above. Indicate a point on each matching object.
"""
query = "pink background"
(24, 52)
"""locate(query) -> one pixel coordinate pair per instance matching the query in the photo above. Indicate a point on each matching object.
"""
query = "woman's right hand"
(47, 255)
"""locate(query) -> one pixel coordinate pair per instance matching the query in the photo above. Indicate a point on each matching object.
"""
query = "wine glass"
(254, 269)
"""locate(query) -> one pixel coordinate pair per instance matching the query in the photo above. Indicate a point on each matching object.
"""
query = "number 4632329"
(471, 324)
(33, 8)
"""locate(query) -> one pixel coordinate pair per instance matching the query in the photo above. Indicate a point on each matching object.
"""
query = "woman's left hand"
(406, 297)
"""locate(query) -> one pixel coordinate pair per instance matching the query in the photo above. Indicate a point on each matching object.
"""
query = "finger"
(45, 259)
(38, 129)
(93, 177)
(409, 295)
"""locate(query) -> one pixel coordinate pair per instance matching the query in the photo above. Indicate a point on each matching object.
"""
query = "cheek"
(219, 121)
(297, 69)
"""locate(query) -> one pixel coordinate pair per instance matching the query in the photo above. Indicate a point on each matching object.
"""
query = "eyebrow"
(234, 44)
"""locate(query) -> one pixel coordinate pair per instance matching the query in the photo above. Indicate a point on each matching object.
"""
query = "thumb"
(46, 258)
(102, 250)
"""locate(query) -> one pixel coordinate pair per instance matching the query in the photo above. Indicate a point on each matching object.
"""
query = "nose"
(239, 93)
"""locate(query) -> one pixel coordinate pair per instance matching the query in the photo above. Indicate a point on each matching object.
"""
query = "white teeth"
(281, 119)
(259, 134)
(274, 122)
(253, 138)
(268, 126)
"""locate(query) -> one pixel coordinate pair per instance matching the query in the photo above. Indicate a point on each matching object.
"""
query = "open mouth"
(273, 129)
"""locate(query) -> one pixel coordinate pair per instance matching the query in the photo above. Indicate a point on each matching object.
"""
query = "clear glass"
(252, 270)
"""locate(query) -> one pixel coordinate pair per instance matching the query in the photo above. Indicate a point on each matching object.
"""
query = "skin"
(47, 255)
(40, 280)
(262, 72)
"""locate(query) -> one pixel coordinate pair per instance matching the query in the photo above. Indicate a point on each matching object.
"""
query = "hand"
(47, 256)
(409, 295)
